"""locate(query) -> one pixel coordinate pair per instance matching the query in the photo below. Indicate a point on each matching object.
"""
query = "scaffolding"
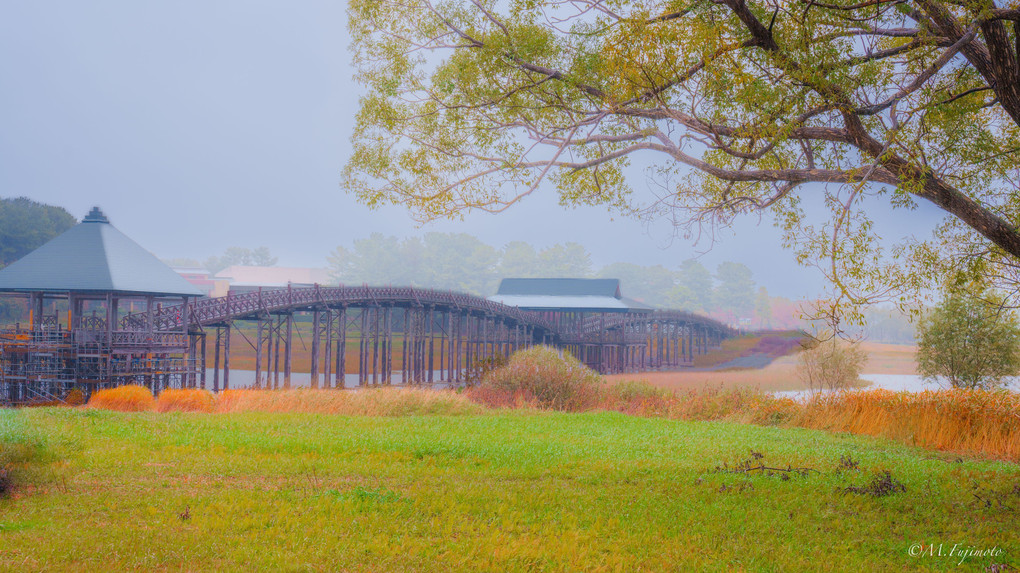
(52, 364)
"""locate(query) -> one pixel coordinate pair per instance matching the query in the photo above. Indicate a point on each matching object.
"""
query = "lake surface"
(896, 383)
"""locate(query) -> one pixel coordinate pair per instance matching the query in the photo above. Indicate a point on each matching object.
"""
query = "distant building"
(203, 280)
(247, 278)
(566, 295)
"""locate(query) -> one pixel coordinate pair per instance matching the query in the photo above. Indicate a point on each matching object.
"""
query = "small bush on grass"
(130, 398)
(185, 400)
(542, 377)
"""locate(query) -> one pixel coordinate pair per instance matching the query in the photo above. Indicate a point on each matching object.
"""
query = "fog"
(197, 126)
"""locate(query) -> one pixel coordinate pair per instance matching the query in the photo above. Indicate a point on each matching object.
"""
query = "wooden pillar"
(432, 338)
(328, 349)
(362, 348)
(258, 352)
(201, 371)
(386, 345)
(277, 334)
(453, 364)
(315, 349)
(288, 351)
(216, 359)
(341, 349)
(404, 347)
(375, 345)
(226, 357)
(442, 344)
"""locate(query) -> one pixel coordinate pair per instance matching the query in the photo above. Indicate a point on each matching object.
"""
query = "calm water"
(896, 383)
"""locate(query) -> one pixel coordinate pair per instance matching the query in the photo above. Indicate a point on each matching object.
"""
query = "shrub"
(130, 398)
(542, 377)
(832, 364)
(481, 368)
(185, 400)
(969, 340)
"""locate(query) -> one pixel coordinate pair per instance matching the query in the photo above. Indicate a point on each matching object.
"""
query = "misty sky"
(201, 125)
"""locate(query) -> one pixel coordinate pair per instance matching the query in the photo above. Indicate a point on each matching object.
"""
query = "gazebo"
(91, 292)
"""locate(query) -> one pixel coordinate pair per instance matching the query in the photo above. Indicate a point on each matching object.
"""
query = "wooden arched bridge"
(410, 335)
(102, 311)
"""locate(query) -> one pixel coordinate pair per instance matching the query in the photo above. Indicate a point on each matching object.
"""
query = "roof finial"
(95, 216)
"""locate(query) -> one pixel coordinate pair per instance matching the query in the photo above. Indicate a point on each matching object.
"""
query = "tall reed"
(185, 400)
(130, 398)
(958, 420)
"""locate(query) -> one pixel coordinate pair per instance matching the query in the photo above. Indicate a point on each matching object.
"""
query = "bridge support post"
(226, 357)
(276, 334)
(288, 351)
(443, 315)
(201, 371)
(327, 356)
(375, 345)
(454, 366)
(341, 349)
(362, 367)
(258, 352)
(405, 349)
(387, 345)
(216, 360)
(314, 375)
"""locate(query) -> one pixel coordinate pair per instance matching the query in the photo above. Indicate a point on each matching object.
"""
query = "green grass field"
(509, 491)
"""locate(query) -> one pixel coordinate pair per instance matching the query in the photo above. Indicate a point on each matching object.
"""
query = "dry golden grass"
(706, 403)
(974, 422)
(130, 398)
(363, 402)
(185, 400)
(966, 421)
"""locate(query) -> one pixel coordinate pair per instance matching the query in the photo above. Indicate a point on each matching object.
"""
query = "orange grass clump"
(130, 398)
(185, 400)
(968, 421)
(362, 402)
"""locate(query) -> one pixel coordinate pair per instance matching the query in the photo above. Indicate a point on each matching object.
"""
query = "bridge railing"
(212, 311)
(261, 302)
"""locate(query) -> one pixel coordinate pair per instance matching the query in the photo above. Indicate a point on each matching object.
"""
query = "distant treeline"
(462, 262)
(26, 225)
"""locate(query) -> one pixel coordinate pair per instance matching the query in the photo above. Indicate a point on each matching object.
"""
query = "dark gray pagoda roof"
(93, 257)
(569, 295)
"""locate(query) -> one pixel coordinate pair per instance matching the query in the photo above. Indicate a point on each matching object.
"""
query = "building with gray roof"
(566, 295)
(91, 294)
